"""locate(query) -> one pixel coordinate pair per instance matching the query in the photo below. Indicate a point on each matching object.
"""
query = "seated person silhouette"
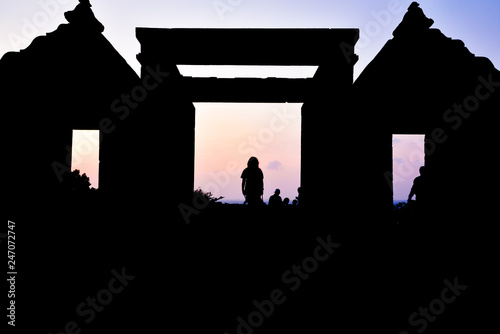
(420, 187)
(275, 200)
(252, 184)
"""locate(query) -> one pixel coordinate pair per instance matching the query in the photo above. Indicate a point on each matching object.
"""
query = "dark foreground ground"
(238, 270)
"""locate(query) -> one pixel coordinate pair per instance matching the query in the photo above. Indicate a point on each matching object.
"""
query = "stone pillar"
(327, 127)
(167, 136)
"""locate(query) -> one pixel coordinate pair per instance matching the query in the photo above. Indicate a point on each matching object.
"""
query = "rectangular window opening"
(228, 134)
(85, 154)
(407, 158)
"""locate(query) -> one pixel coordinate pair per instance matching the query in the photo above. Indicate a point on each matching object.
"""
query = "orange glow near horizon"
(228, 134)
(85, 154)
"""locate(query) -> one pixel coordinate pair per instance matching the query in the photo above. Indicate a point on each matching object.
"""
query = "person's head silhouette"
(253, 162)
(277, 192)
(422, 170)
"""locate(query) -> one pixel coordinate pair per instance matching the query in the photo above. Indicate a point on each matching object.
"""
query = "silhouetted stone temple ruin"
(74, 79)
(423, 82)
(205, 276)
(327, 96)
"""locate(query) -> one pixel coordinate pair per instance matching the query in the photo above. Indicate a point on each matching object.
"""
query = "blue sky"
(475, 22)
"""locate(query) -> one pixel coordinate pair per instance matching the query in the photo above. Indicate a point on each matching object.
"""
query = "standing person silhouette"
(252, 184)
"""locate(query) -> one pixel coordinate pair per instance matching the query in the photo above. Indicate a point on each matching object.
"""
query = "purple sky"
(475, 22)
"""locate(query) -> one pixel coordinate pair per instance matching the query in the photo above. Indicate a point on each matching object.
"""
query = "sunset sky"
(228, 134)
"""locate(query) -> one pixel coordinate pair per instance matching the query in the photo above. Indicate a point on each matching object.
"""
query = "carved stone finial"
(414, 21)
(83, 17)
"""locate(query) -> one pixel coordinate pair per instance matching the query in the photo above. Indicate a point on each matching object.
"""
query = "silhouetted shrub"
(75, 183)
(207, 195)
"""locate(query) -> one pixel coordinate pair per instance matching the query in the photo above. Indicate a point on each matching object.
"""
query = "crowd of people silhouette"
(252, 187)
